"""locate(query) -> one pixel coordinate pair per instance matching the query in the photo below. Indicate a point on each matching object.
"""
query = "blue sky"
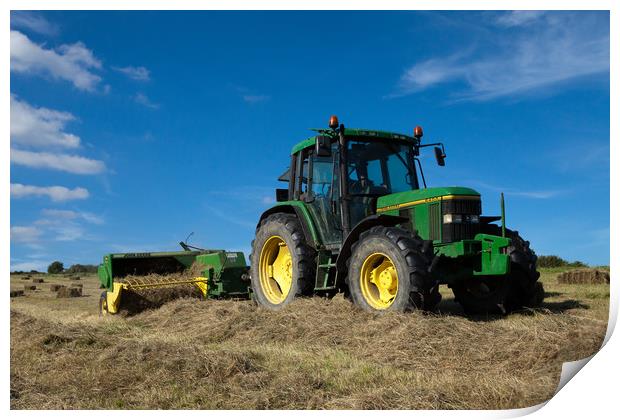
(129, 130)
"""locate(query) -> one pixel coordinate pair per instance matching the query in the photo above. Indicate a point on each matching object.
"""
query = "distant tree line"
(550, 261)
(57, 267)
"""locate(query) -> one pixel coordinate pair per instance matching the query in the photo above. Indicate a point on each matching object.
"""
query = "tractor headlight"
(452, 218)
(460, 218)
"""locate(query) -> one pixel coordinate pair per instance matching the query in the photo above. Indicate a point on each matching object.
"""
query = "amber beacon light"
(333, 122)
(417, 132)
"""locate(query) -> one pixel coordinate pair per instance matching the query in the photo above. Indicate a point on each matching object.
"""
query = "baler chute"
(147, 279)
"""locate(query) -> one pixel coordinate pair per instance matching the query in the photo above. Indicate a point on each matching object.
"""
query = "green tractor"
(358, 218)
(354, 219)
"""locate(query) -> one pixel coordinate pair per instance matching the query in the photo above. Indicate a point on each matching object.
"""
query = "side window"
(322, 174)
(301, 174)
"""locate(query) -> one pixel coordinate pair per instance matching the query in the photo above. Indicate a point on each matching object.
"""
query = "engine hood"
(411, 198)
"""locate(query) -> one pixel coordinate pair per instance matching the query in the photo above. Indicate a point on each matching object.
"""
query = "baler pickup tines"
(137, 284)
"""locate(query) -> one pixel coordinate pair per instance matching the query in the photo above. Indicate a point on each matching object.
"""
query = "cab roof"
(355, 132)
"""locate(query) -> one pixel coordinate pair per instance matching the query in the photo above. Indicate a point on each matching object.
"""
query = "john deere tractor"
(358, 218)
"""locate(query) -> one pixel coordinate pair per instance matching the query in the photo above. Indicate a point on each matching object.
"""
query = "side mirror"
(440, 156)
(323, 146)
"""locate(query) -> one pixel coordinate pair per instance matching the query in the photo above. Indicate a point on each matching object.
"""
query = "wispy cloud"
(142, 99)
(25, 234)
(57, 161)
(517, 192)
(55, 226)
(56, 216)
(254, 99)
(70, 62)
(139, 73)
(519, 17)
(55, 193)
(34, 22)
(33, 126)
(38, 265)
(230, 218)
(534, 51)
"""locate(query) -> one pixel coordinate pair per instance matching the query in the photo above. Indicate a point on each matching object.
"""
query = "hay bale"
(26, 278)
(587, 276)
(68, 292)
(39, 280)
(16, 293)
(55, 287)
(79, 285)
(30, 287)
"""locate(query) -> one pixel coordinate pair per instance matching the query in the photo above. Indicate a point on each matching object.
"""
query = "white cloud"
(142, 99)
(55, 193)
(253, 99)
(520, 192)
(40, 126)
(25, 234)
(38, 265)
(553, 48)
(55, 216)
(136, 73)
(69, 232)
(70, 62)
(519, 17)
(34, 22)
(57, 161)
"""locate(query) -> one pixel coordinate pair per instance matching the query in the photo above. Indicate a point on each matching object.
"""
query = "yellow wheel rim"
(379, 281)
(275, 270)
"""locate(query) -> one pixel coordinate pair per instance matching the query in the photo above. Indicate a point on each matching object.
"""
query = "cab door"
(319, 189)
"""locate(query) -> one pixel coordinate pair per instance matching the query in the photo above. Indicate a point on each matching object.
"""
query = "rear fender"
(300, 210)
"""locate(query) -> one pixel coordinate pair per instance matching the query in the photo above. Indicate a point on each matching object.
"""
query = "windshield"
(380, 167)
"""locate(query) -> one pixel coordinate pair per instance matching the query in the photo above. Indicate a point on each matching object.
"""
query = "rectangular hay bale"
(588, 276)
(68, 292)
(16, 293)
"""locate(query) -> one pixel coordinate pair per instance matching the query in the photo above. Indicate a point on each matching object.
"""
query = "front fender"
(362, 226)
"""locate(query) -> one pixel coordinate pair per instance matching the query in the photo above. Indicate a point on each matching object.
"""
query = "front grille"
(434, 222)
(452, 232)
(461, 207)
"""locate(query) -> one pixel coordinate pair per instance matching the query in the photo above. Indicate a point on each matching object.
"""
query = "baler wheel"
(103, 304)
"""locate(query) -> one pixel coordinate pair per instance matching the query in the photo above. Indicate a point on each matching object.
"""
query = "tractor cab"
(341, 173)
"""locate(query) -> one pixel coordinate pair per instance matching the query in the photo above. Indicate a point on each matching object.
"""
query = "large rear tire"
(388, 271)
(503, 294)
(282, 264)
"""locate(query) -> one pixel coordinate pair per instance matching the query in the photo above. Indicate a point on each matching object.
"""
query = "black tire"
(410, 256)
(503, 294)
(303, 259)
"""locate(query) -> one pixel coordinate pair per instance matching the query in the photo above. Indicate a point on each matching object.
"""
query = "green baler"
(219, 274)
(357, 217)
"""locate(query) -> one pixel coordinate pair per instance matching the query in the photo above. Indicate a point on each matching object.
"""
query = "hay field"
(316, 354)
